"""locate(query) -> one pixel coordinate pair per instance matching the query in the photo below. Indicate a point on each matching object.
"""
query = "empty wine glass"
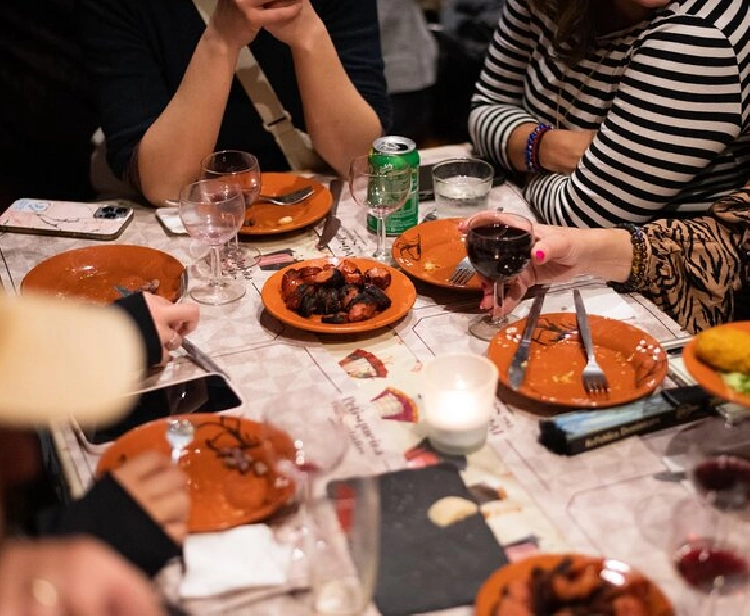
(382, 190)
(212, 211)
(242, 169)
(499, 248)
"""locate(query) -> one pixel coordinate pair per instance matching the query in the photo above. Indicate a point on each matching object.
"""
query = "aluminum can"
(397, 153)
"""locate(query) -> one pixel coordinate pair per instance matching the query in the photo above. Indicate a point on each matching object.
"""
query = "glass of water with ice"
(462, 186)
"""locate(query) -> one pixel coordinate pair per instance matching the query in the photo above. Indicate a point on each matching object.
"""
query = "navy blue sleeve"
(354, 30)
(136, 308)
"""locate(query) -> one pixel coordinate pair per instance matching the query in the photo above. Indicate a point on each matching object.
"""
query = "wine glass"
(382, 190)
(212, 212)
(710, 551)
(499, 248)
(242, 169)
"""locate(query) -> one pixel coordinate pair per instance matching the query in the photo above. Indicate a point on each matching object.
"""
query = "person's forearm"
(559, 150)
(171, 150)
(608, 253)
(340, 122)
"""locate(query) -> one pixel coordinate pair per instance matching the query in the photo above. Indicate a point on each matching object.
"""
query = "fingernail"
(539, 254)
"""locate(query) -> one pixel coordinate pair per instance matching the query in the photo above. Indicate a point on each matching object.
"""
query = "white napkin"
(598, 300)
(244, 557)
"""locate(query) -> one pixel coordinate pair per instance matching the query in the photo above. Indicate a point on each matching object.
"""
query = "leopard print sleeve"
(696, 269)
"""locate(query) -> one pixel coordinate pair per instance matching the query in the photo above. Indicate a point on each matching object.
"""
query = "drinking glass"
(343, 546)
(710, 551)
(499, 248)
(212, 211)
(242, 169)
(462, 186)
(382, 190)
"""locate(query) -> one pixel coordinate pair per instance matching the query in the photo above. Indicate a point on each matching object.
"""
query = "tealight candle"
(459, 396)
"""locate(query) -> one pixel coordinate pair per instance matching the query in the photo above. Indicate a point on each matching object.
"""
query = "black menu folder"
(424, 567)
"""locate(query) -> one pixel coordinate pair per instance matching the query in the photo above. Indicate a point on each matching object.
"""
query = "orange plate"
(431, 250)
(267, 217)
(657, 603)
(709, 378)
(222, 496)
(632, 360)
(401, 291)
(92, 273)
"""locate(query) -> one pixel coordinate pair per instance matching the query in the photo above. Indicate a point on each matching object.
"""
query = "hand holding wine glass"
(499, 248)
(382, 190)
(212, 211)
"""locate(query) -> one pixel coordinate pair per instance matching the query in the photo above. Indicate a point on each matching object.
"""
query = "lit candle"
(459, 394)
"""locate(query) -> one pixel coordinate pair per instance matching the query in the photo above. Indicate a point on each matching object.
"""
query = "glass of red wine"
(499, 248)
(710, 551)
(723, 481)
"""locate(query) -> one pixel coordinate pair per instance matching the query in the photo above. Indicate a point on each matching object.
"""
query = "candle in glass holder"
(459, 397)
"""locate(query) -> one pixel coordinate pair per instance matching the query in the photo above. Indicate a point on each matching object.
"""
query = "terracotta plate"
(709, 378)
(401, 291)
(613, 571)
(268, 218)
(431, 250)
(633, 361)
(226, 490)
(93, 272)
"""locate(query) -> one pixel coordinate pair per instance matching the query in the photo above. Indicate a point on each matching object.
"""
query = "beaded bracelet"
(532, 147)
(638, 266)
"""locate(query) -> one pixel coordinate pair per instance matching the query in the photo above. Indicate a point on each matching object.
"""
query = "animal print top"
(698, 270)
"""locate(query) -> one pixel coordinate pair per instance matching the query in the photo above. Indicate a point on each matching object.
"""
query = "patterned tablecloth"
(583, 503)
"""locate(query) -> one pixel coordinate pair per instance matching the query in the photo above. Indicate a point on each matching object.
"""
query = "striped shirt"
(669, 98)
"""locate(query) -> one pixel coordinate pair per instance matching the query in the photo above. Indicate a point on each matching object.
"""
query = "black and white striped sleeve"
(497, 108)
(679, 105)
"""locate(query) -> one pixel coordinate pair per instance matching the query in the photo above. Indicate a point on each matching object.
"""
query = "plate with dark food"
(338, 296)
(634, 362)
(570, 585)
(719, 360)
(431, 251)
(264, 218)
(96, 273)
(232, 481)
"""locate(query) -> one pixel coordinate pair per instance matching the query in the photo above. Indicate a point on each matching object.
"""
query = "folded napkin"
(600, 300)
(244, 557)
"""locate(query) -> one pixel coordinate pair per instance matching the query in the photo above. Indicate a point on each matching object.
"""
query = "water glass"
(462, 186)
(345, 532)
(212, 212)
(459, 397)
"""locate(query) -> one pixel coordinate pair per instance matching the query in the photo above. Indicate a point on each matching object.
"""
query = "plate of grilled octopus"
(338, 296)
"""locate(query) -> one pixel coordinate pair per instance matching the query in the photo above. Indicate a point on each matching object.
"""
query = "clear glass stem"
(498, 298)
(215, 259)
(380, 228)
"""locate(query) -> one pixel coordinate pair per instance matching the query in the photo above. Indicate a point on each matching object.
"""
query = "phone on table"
(207, 393)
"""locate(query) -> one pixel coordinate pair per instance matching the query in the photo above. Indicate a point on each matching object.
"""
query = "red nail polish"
(539, 254)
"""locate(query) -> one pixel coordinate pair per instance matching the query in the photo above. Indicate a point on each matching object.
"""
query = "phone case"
(65, 218)
(169, 217)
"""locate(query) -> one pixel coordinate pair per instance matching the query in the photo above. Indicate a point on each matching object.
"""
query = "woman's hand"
(160, 488)
(560, 254)
(304, 26)
(238, 22)
(172, 321)
(71, 576)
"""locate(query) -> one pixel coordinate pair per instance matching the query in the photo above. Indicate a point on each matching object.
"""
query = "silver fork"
(594, 380)
(463, 272)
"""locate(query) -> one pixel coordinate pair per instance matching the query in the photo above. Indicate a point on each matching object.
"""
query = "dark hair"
(576, 25)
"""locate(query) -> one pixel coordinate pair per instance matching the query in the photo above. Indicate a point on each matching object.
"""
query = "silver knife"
(201, 359)
(517, 368)
(332, 224)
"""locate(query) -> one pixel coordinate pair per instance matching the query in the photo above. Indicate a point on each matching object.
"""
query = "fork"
(463, 272)
(594, 380)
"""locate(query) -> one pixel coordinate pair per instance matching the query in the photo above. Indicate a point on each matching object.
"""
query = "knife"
(517, 368)
(332, 224)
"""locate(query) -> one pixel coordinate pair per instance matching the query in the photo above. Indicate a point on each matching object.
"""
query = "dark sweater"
(139, 50)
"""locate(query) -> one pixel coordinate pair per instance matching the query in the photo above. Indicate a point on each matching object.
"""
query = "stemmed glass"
(243, 170)
(382, 190)
(499, 248)
(212, 211)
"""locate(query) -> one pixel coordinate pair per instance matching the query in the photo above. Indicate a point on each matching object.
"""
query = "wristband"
(532, 147)
(638, 266)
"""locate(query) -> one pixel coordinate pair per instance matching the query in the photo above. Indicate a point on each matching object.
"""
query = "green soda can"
(397, 153)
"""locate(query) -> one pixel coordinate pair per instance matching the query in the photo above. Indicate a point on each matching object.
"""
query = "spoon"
(291, 198)
(179, 435)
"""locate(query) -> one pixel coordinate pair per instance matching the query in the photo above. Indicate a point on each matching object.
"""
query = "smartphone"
(208, 393)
